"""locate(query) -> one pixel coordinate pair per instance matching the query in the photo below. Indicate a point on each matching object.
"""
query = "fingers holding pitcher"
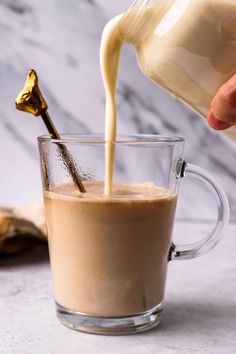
(222, 113)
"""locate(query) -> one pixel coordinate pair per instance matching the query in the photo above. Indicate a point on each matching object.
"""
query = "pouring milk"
(187, 47)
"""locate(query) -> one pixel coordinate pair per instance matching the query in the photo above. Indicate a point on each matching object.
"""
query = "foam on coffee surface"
(95, 191)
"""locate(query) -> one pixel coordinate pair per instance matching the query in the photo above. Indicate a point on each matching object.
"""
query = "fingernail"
(215, 122)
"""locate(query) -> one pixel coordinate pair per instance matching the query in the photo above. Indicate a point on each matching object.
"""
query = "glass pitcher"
(188, 47)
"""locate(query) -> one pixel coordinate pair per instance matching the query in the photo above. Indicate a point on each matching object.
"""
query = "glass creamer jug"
(188, 47)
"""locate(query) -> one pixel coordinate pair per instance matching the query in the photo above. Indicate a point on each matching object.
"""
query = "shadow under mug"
(109, 254)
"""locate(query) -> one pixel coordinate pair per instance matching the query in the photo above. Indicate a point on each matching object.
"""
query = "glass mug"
(187, 47)
(109, 254)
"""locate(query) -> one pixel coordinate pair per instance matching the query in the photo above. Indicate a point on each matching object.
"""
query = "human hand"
(222, 112)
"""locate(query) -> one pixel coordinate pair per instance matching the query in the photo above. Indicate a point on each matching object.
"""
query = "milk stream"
(179, 46)
(109, 60)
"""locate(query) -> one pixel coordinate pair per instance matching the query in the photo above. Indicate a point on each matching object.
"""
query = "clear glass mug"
(109, 254)
(187, 47)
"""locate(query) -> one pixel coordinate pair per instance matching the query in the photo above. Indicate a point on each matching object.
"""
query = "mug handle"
(178, 252)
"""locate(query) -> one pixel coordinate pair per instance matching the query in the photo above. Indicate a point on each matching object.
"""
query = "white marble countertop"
(199, 316)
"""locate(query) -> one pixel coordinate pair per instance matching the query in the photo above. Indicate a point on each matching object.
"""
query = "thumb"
(222, 113)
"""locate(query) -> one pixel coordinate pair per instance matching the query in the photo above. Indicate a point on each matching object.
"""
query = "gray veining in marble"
(61, 39)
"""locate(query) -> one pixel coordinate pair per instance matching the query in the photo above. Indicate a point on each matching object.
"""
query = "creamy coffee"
(109, 254)
(187, 47)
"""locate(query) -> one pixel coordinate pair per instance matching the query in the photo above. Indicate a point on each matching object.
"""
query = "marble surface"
(61, 39)
(199, 315)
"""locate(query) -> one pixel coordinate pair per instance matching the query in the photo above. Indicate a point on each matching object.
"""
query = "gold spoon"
(31, 100)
